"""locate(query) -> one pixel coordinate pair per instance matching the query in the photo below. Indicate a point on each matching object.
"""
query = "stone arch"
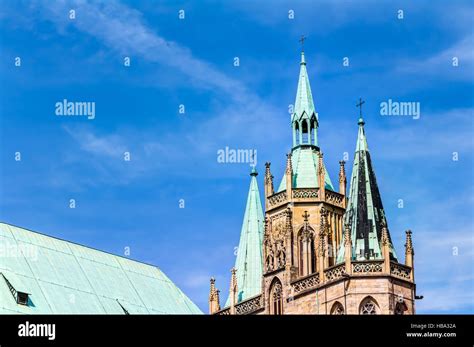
(306, 251)
(369, 306)
(276, 297)
(337, 308)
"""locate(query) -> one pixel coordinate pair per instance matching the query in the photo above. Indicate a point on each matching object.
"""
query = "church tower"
(323, 252)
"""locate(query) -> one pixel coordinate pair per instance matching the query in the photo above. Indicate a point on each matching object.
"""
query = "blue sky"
(190, 62)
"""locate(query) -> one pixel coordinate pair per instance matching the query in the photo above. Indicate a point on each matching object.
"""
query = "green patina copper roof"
(364, 213)
(249, 262)
(304, 106)
(305, 169)
(67, 278)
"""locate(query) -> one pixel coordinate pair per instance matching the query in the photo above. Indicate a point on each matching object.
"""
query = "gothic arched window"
(313, 130)
(368, 306)
(306, 255)
(305, 132)
(276, 298)
(297, 133)
(337, 308)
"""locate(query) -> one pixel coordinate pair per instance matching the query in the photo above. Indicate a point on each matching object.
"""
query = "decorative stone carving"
(281, 254)
(334, 198)
(305, 193)
(369, 307)
(399, 270)
(367, 267)
(277, 199)
(250, 305)
(335, 272)
(305, 283)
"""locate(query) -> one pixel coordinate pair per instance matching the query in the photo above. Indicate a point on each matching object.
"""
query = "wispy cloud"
(453, 63)
(123, 30)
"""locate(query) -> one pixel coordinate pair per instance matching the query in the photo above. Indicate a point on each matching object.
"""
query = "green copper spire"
(249, 262)
(304, 154)
(304, 119)
(364, 214)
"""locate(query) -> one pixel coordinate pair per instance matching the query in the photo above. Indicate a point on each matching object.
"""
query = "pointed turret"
(365, 214)
(249, 262)
(305, 117)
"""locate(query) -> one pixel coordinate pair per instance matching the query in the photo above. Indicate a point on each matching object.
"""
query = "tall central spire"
(304, 124)
(304, 119)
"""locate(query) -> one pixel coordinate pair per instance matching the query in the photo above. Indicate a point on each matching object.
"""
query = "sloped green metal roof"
(305, 169)
(304, 106)
(249, 262)
(364, 213)
(64, 277)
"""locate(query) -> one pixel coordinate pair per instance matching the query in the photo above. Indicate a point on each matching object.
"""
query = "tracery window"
(337, 309)
(306, 254)
(305, 132)
(276, 298)
(368, 306)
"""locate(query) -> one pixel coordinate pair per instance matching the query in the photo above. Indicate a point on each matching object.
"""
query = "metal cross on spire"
(302, 42)
(359, 104)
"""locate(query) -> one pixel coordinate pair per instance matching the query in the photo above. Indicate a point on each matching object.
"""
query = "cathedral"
(316, 250)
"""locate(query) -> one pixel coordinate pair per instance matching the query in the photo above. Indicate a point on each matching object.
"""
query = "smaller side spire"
(214, 302)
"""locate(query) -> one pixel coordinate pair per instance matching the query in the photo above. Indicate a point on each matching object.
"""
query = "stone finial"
(410, 255)
(288, 221)
(321, 163)
(347, 248)
(289, 164)
(342, 170)
(347, 235)
(268, 183)
(214, 302)
(342, 178)
(322, 232)
(233, 290)
(233, 279)
(385, 238)
(268, 173)
(409, 243)
(321, 177)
